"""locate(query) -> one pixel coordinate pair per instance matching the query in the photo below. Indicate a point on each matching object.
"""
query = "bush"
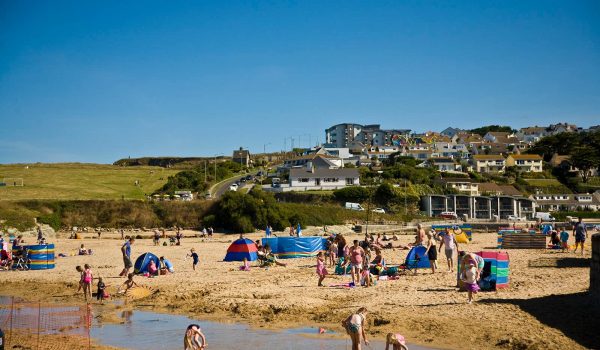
(352, 194)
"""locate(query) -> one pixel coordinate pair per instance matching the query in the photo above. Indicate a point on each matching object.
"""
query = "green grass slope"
(81, 181)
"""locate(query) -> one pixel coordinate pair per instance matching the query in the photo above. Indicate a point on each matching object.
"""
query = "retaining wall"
(595, 268)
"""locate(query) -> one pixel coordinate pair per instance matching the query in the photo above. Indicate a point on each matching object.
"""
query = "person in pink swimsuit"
(321, 269)
(356, 261)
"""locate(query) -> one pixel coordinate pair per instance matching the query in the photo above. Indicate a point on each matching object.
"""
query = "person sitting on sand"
(258, 244)
(127, 285)
(194, 339)
(152, 268)
(271, 257)
(166, 266)
(396, 341)
(84, 251)
(355, 327)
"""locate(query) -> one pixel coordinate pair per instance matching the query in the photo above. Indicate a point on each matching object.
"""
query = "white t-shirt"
(471, 275)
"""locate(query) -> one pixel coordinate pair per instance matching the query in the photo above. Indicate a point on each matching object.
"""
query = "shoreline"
(425, 308)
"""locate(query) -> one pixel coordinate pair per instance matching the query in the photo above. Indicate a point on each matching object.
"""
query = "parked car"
(544, 216)
(378, 210)
(233, 187)
(515, 218)
(449, 215)
(354, 206)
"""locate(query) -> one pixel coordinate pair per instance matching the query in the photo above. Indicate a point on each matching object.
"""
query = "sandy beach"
(543, 308)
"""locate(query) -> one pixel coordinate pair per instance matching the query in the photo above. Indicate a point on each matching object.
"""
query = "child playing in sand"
(246, 266)
(127, 285)
(470, 277)
(321, 269)
(333, 250)
(564, 240)
(195, 258)
(88, 277)
(80, 270)
(194, 339)
(396, 341)
(101, 290)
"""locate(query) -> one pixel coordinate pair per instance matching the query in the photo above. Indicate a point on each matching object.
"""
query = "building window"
(349, 181)
(303, 179)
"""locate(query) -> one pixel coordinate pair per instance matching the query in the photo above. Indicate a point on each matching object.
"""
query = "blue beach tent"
(143, 261)
(416, 257)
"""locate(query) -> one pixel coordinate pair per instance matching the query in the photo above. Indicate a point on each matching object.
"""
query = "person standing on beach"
(580, 233)
(450, 245)
(355, 327)
(432, 250)
(126, 250)
(356, 262)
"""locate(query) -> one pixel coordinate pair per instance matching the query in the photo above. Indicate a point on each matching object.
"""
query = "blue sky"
(95, 82)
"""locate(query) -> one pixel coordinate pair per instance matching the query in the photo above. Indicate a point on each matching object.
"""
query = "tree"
(494, 128)
(585, 159)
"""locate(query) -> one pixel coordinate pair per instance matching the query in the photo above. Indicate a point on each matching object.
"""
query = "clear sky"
(98, 81)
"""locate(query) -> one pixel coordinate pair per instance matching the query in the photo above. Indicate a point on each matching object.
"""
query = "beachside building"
(487, 163)
(316, 160)
(525, 162)
(311, 178)
(478, 207)
(451, 132)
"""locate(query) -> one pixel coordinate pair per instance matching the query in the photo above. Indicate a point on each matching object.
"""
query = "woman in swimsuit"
(355, 327)
(356, 261)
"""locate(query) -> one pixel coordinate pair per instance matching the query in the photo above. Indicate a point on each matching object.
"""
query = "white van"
(544, 216)
(233, 187)
(354, 206)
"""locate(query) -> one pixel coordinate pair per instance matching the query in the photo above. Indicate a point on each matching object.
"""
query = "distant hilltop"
(165, 162)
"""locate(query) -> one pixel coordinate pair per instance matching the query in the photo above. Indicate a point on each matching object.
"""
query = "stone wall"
(595, 268)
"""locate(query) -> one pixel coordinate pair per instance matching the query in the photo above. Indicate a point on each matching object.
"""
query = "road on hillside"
(224, 186)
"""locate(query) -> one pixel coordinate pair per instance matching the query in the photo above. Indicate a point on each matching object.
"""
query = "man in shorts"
(580, 233)
(126, 250)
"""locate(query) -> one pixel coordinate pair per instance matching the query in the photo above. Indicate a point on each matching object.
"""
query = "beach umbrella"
(240, 249)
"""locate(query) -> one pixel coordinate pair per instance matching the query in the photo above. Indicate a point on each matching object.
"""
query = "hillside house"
(525, 162)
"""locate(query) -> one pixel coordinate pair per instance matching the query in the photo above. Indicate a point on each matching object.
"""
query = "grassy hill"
(81, 181)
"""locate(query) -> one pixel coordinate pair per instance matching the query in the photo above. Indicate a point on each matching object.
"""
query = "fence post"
(39, 324)
(12, 308)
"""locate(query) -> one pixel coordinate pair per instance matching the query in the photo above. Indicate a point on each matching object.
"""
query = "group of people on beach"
(561, 239)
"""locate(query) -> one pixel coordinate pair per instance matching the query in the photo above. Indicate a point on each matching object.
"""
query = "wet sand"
(546, 286)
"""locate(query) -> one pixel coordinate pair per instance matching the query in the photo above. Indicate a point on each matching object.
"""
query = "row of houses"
(503, 206)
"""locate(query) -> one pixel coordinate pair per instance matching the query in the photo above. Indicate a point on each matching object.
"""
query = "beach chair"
(5, 260)
(21, 261)
(409, 266)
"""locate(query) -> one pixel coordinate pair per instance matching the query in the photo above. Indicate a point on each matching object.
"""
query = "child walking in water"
(396, 341)
(194, 339)
(470, 277)
(195, 258)
(88, 277)
(101, 290)
(321, 269)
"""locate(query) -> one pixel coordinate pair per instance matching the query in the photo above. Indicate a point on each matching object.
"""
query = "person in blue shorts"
(580, 233)
(195, 258)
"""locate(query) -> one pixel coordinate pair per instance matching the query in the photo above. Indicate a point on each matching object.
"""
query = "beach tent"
(295, 247)
(143, 261)
(462, 233)
(240, 249)
(496, 271)
(417, 253)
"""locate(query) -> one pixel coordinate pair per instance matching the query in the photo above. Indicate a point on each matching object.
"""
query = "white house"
(311, 178)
